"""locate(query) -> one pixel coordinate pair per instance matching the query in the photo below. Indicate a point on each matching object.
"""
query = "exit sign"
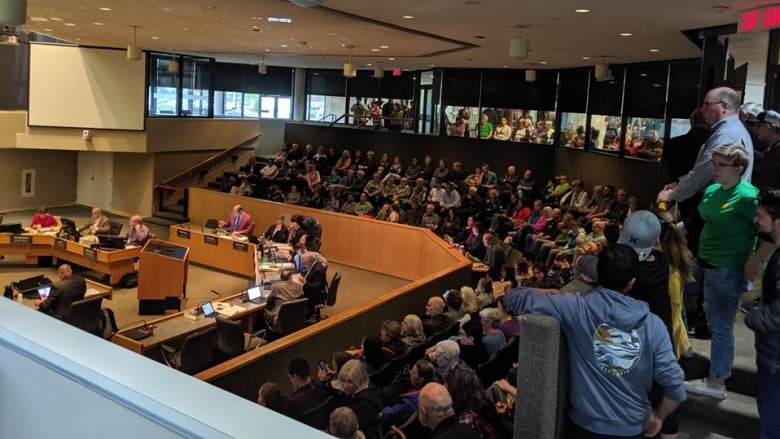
(762, 19)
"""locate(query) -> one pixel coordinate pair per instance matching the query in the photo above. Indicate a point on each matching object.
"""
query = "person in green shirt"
(727, 241)
(485, 128)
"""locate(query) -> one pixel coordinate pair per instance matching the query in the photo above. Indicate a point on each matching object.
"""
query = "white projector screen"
(79, 87)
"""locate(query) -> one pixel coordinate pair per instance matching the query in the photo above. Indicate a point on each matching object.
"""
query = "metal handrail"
(168, 181)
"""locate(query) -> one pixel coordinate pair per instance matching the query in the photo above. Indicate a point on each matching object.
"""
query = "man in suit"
(63, 293)
(239, 223)
(98, 224)
(315, 280)
(277, 232)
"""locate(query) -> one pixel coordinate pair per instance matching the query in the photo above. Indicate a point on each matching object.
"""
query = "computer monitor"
(111, 241)
(68, 229)
(15, 228)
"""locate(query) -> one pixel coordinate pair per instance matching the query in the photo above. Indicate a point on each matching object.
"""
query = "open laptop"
(208, 309)
(254, 294)
(43, 291)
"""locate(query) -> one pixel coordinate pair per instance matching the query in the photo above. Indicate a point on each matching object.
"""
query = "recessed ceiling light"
(104, 8)
(391, 59)
(408, 17)
(506, 67)
(333, 34)
(167, 9)
(626, 34)
(582, 11)
(283, 45)
(643, 74)
(368, 64)
(97, 23)
(431, 65)
(70, 24)
(257, 18)
(47, 30)
(279, 20)
(585, 57)
(155, 38)
(384, 47)
(267, 50)
(55, 18)
(38, 19)
(185, 29)
(542, 62)
(655, 50)
(375, 50)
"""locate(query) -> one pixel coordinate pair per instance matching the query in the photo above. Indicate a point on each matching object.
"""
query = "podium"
(162, 276)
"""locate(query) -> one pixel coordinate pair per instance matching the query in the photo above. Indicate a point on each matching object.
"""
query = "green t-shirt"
(729, 233)
(485, 130)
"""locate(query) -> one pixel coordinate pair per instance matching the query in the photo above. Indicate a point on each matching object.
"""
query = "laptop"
(254, 294)
(43, 291)
(211, 223)
(208, 309)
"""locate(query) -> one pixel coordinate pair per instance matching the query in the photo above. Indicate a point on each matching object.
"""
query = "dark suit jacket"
(280, 236)
(62, 295)
(315, 285)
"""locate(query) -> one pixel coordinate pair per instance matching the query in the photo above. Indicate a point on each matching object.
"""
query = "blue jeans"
(768, 400)
(722, 288)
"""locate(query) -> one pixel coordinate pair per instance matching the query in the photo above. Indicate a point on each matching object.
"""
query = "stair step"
(734, 417)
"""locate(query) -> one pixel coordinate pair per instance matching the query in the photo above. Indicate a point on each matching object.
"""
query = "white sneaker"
(703, 388)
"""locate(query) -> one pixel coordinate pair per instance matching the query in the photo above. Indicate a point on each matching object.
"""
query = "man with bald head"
(720, 111)
(63, 293)
(435, 321)
(98, 224)
(138, 233)
(436, 413)
(239, 223)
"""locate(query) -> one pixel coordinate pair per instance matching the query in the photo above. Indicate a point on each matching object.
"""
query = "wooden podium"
(162, 276)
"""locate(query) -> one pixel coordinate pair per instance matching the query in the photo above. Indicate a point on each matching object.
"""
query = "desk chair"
(291, 317)
(330, 297)
(86, 314)
(233, 341)
(116, 227)
(195, 355)
(318, 417)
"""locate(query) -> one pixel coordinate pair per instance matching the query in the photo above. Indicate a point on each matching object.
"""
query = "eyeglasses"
(708, 103)
(723, 165)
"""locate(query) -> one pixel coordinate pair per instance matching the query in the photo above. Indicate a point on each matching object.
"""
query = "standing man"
(616, 349)
(767, 173)
(765, 320)
(138, 233)
(98, 224)
(315, 280)
(680, 152)
(63, 293)
(239, 223)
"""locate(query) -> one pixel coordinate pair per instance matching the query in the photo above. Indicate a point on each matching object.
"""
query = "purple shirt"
(510, 328)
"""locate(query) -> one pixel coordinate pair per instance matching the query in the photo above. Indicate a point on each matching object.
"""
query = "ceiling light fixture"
(626, 34)
(173, 65)
(602, 71)
(378, 72)
(134, 52)
(530, 75)
(105, 9)
(655, 50)
(408, 17)
(262, 68)
(582, 11)
(350, 71)
(518, 47)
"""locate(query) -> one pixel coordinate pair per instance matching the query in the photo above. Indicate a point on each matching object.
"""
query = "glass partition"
(678, 127)
(644, 138)
(469, 116)
(605, 133)
(572, 133)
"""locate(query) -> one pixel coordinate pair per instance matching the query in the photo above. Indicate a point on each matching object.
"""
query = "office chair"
(318, 417)
(86, 314)
(233, 341)
(116, 227)
(330, 297)
(291, 317)
(195, 355)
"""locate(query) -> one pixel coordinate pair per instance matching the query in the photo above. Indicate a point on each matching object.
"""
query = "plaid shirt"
(471, 419)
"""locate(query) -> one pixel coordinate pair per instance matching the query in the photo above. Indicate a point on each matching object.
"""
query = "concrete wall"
(55, 178)
(271, 136)
(175, 134)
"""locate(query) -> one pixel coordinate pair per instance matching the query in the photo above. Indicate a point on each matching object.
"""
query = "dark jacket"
(652, 287)
(280, 236)
(451, 428)
(765, 319)
(62, 296)
(316, 282)
(367, 405)
(436, 324)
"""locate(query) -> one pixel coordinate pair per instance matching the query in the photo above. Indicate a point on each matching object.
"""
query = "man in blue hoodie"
(616, 349)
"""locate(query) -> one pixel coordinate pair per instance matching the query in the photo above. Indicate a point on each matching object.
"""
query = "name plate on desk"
(21, 239)
(183, 233)
(90, 253)
(213, 240)
(240, 246)
(61, 243)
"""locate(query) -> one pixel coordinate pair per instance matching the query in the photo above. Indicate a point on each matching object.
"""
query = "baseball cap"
(640, 231)
(769, 117)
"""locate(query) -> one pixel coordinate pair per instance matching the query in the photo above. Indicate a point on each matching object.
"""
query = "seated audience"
(269, 395)
(491, 325)
(328, 376)
(484, 293)
(139, 233)
(469, 402)
(469, 300)
(472, 351)
(445, 354)
(435, 321)
(454, 302)
(390, 334)
(361, 397)
(63, 293)
(436, 413)
(42, 219)
(412, 333)
(307, 393)
(510, 325)
(344, 424)
(239, 223)
(422, 373)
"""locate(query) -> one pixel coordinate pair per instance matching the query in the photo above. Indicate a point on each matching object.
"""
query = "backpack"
(130, 280)
(108, 323)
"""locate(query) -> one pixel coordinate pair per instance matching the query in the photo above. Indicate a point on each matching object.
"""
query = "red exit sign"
(762, 19)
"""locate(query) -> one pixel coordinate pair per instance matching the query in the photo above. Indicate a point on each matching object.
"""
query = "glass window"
(572, 133)
(644, 138)
(469, 115)
(605, 133)
(163, 86)
(324, 108)
(267, 107)
(283, 108)
(227, 103)
(534, 126)
(195, 87)
(251, 105)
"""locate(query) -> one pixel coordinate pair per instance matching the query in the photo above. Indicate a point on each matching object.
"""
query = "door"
(95, 180)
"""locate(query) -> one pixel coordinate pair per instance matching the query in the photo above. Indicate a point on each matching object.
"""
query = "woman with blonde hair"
(469, 299)
(673, 244)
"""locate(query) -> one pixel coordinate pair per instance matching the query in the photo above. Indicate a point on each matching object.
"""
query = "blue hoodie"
(616, 349)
